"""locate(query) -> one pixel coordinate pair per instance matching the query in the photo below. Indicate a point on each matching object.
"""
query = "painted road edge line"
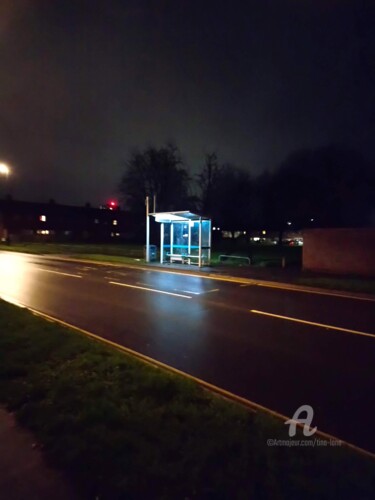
(150, 289)
(250, 405)
(312, 323)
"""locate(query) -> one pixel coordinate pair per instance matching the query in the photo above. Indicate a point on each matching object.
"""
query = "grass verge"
(260, 255)
(345, 284)
(120, 250)
(122, 429)
(120, 254)
(116, 259)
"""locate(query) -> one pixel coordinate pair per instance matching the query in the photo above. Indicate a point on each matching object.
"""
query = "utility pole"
(147, 230)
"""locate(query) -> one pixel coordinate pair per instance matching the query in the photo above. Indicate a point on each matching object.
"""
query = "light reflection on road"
(173, 282)
(14, 278)
(178, 326)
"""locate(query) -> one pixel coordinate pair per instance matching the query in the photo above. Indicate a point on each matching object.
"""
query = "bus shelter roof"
(182, 216)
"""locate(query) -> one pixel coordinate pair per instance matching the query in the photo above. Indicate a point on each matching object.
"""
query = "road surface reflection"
(14, 278)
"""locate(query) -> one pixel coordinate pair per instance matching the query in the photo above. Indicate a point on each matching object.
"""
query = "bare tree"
(155, 171)
(208, 180)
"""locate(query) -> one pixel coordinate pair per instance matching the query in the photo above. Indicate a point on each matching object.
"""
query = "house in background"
(271, 237)
(29, 221)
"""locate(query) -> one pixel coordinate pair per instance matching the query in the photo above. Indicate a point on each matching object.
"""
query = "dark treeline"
(326, 187)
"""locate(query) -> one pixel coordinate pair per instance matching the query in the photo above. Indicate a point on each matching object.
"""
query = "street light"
(4, 169)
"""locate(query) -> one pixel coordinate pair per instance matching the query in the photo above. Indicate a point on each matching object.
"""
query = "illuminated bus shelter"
(184, 237)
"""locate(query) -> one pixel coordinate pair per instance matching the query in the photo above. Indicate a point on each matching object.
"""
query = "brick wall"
(340, 251)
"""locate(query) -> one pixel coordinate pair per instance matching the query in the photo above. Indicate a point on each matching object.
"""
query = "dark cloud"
(84, 81)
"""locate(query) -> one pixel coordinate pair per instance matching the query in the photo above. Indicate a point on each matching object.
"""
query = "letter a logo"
(307, 430)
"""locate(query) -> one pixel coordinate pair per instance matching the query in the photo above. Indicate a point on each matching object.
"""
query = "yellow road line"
(250, 405)
(312, 323)
(59, 272)
(150, 289)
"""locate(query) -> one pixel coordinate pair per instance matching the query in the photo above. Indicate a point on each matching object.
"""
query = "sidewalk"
(287, 275)
(24, 473)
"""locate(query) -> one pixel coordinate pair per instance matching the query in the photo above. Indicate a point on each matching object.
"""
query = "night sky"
(82, 82)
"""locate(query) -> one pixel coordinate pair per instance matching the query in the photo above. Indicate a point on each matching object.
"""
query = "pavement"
(24, 473)
(286, 275)
(278, 346)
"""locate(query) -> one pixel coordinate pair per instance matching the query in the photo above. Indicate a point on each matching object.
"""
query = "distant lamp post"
(4, 169)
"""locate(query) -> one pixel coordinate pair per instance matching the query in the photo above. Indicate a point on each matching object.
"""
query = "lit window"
(42, 218)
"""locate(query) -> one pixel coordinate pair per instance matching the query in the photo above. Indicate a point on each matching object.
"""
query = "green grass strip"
(120, 428)
(362, 285)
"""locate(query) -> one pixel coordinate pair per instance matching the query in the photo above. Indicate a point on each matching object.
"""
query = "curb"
(246, 403)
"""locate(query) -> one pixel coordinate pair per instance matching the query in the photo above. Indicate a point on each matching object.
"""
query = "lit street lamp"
(4, 236)
(4, 172)
(4, 169)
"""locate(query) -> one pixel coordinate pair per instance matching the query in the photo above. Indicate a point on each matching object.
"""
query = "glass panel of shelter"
(181, 241)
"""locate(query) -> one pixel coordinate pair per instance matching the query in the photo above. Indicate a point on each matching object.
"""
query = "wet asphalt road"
(210, 329)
